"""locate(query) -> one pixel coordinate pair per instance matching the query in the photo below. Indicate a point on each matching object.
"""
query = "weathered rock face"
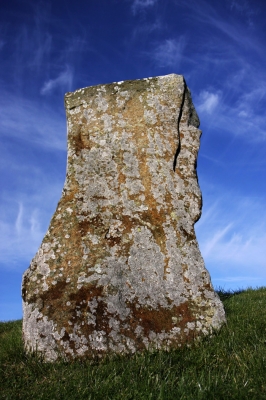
(119, 269)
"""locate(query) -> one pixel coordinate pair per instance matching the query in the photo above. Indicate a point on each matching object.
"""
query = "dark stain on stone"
(85, 293)
(77, 141)
(190, 236)
(55, 291)
(25, 284)
(160, 319)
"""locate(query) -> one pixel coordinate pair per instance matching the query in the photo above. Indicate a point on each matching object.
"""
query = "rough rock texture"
(119, 269)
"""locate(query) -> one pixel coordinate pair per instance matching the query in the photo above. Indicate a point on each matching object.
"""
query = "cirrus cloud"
(208, 102)
(142, 4)
(169, 53)
(64, 80)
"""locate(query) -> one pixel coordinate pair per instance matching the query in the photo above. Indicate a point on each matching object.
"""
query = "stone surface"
(119, 269)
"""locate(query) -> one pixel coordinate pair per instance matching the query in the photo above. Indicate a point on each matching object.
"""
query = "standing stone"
(119, 269)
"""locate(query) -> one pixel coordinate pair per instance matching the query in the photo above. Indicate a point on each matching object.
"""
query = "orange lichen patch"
(185, 269)
(55, 292)
(207, 286)
(160, 319)
(85, 294)
(76, 140)
(68, 198)
(79, 309)
(155, 219)
(72, 307)
(88, 225)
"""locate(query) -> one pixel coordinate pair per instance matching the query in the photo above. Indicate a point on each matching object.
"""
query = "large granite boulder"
(119, 269)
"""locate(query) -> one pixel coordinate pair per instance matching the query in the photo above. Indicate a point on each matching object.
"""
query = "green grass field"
(229, 365)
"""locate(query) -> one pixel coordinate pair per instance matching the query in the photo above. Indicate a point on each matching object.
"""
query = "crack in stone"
(178, 125)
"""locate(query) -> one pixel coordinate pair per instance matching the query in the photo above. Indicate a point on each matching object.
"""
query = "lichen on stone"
(119, 269)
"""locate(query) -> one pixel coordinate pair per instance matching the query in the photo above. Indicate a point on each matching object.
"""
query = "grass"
(229, 365)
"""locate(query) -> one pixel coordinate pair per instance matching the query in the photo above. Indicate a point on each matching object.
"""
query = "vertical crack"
(178, 123)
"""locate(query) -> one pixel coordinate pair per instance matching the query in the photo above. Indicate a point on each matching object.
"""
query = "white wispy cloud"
(248, 280)
(38, 52)
(235, 29)
(63, 80)
(218, 236)
(18, 223)
(18, 241)
(146, 29)
(253, 97)
(241, 119)
(240, 7)
(237, 56)
(238, 108)
(245, 250)
(35, 225)
(32, 46)
(142, 4)
(244, 8)
(232, 239)
(24, 222)
(208, 101)
(27, 120)
(41, 51)
(169, 53)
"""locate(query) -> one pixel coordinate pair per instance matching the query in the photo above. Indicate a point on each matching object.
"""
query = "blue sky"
(48, 48)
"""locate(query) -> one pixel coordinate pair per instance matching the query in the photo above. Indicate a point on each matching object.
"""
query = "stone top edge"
(71, 98)
(68, 94)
